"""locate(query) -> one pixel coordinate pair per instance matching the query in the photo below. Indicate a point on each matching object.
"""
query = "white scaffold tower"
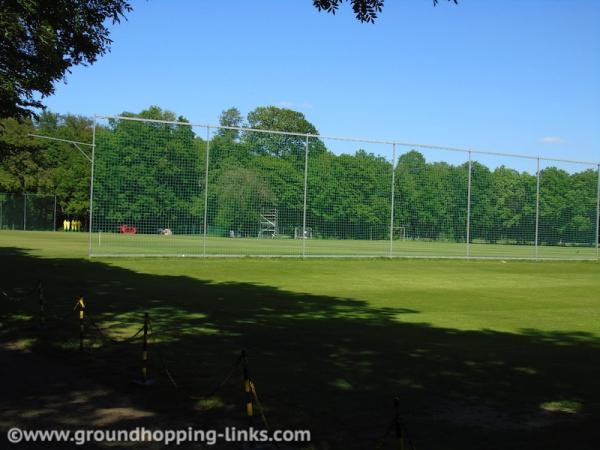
(268, 226)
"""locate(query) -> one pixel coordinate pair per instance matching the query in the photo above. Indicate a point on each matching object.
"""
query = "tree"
(364, 10)
(225, 146)
(349, 195)
(286, 181)
(514, 204)
(42, 40)
(410, 173)
(555, 206)
(147, 174)
(36, 166)
(230, 118)
(242, 193)
(582, 198)
(20, 161)
(152, 175)
(66, 170)
(281, 119)
(484, 220)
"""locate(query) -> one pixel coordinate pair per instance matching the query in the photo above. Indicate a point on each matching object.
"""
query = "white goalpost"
(299, 234)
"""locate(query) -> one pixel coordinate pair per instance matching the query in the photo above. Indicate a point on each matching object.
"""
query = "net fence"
(25, 211)
(177, 189)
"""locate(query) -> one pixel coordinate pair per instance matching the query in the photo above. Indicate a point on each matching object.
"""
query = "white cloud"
(552, 140)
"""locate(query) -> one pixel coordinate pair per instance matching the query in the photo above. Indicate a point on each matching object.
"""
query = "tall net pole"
(469, 176)
(393, 200)
(92, 184)
(206, 189)
(537, 209)
(305, 197)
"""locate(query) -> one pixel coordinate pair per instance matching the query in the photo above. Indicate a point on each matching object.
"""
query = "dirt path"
(40, 393)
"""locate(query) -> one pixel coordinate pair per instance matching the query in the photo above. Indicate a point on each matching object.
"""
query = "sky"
(518, 76)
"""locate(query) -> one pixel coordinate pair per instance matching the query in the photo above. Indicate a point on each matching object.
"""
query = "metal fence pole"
(206, 190)
(393, 201)
(90, 227)
(598, 216)
(537, 210)
(24, 211)
(305, 196)
(469, 206)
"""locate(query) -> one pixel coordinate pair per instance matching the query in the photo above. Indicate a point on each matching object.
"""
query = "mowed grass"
(482, 354)
(115, 244)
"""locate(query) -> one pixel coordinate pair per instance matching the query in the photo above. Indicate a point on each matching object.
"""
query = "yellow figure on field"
(65, 225)
(77, 225)
(68, 225)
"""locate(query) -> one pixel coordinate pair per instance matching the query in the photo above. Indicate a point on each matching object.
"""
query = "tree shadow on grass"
(330, 365)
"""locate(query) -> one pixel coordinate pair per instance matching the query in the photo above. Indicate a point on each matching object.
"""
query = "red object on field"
(127, 229)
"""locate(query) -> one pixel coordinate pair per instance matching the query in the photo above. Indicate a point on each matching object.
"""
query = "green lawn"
(113, 244)
(482, 354)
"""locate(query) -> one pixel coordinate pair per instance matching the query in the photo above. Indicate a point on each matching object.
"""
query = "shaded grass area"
(481, 354)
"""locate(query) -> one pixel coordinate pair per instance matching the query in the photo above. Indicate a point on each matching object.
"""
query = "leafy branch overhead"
(42, 40)
(364, 10)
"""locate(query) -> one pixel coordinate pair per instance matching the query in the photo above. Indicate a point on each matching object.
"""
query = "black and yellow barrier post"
(42, 305)
(248, 388)
(81, 305)
(400, 444)
(145, 380)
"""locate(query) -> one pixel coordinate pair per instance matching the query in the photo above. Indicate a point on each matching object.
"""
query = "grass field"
(114, 244)
(482, 354)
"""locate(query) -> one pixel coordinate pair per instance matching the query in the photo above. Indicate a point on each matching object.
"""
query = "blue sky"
(520, 76)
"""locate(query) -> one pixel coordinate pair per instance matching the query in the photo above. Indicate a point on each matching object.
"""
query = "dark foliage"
(42, 40)
(364, 10)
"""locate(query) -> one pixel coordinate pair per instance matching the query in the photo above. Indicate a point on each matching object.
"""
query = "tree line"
(153, 175)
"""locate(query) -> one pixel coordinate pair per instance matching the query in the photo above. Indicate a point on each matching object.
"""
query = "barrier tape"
(149, 333)
(224, 380)
(104, 335)
(260, 408)
(251, 388)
